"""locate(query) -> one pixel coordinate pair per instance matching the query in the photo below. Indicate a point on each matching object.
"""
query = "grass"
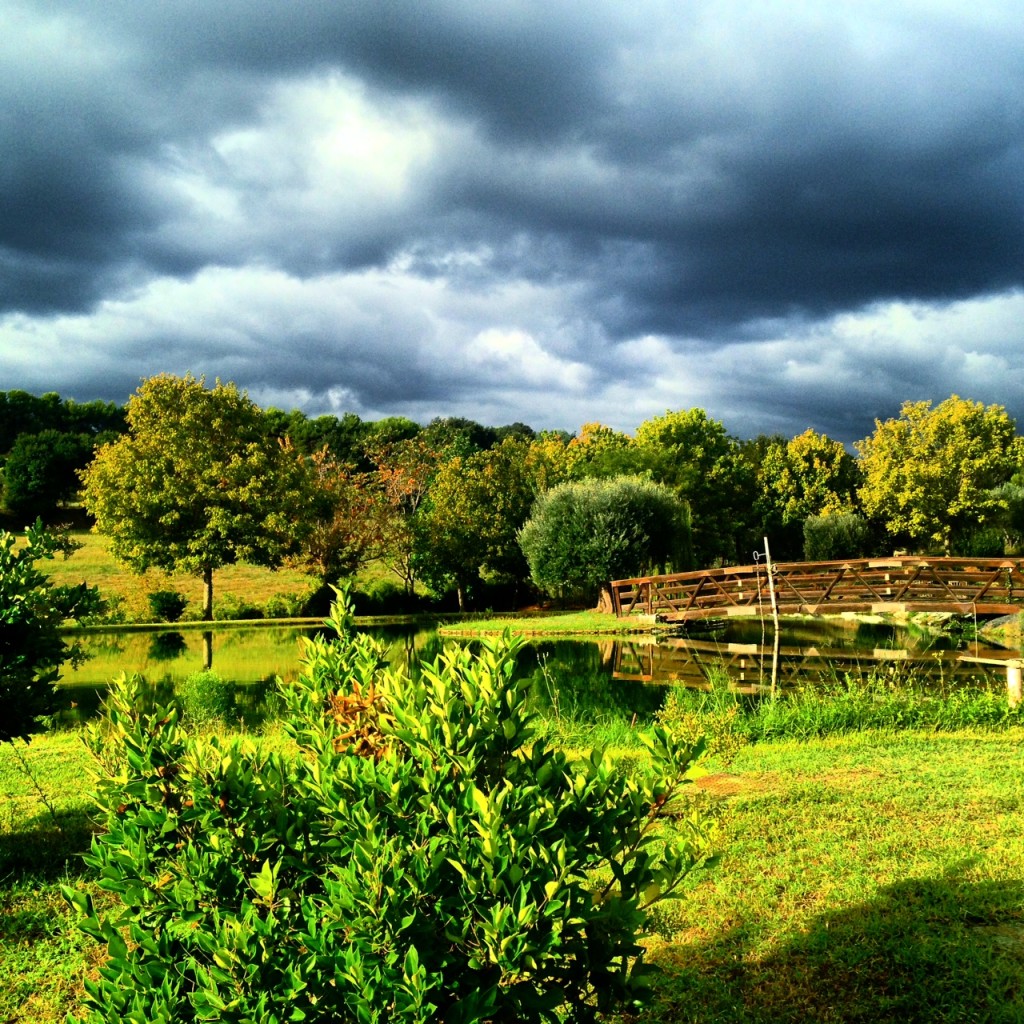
(875, 876)
(234, 585)
(878, 701)
(565, 624)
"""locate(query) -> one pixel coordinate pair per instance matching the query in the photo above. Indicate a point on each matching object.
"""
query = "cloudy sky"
(791, 214)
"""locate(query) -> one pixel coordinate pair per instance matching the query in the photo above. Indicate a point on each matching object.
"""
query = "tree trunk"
(207, 593)
(462, 597)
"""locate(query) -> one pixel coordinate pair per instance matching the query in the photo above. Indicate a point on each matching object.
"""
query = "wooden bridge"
(963, 586)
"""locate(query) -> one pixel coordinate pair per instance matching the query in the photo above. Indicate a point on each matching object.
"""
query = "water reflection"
(751, 667)
(583, 681)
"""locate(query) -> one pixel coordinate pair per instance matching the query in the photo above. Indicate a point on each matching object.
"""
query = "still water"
(615, 677)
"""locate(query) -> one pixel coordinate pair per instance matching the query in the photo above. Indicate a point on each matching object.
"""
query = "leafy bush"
(32, 611)
(385, 597)
(284, 606)
(580, 536)
(425, 856)
(204, 699)
(833, 537)
(231, 609)
(167, 605)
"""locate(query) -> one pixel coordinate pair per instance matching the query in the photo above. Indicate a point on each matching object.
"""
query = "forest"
(191, 477)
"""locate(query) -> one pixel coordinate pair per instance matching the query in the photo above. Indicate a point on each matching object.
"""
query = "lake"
(620, 677)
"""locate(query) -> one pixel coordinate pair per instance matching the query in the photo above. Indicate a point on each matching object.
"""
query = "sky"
(790, 214)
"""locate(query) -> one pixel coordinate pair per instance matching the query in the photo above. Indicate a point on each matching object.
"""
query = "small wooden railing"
(964, 586)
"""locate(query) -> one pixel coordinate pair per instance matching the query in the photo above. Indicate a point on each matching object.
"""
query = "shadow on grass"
(924, 951)
(46, 848)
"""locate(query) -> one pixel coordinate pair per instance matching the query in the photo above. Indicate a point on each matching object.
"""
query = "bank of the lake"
(551, 624)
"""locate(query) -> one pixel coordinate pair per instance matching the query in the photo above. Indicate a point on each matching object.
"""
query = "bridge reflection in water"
(749, 666)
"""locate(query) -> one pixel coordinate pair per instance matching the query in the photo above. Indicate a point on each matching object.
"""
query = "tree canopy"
(811, 475)
(198, 482)
(932, 472)
(695, 456)
(581, 535)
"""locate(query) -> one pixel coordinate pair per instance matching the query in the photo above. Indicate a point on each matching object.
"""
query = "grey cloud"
(714, 174)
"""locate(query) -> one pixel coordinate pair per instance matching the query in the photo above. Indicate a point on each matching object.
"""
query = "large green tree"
(475, 507)
(198, 482)
(933, 473)
(811, 475)
(694, 455)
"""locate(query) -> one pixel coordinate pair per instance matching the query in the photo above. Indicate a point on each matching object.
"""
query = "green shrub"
(204, 699)
(425, 856)
(284, 606)
(231, 608)
(833, 537)
(167, 605)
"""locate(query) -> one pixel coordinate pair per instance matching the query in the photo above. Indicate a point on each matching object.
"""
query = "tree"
(476, 505)
(404, 471)
(582, 535)
(345, 527)
(32, 612)
(22, 413)
(197, 483)
(600, 451)
(42, 470)
(932, 473)
(811, 475)
(835, 536)
(704, 466)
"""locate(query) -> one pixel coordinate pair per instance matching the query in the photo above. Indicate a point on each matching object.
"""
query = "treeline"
(445, 505)
(44, 442)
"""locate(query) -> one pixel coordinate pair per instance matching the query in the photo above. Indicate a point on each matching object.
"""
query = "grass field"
(234, 584)
(872, 877)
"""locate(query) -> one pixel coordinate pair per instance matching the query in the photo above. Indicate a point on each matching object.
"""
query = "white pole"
(775, 615)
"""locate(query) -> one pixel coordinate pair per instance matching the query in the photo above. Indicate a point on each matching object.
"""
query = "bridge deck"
(975, 586)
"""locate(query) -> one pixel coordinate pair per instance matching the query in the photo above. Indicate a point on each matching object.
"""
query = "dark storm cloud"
(388, 203)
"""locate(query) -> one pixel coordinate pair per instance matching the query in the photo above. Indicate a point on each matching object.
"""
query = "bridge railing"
(992, 586)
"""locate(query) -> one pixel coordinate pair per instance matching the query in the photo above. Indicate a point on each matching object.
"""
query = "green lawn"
(873, 877)
(563, 624)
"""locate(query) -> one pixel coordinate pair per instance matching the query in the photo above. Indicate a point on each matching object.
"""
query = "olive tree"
(582, 535)
(197, 483)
